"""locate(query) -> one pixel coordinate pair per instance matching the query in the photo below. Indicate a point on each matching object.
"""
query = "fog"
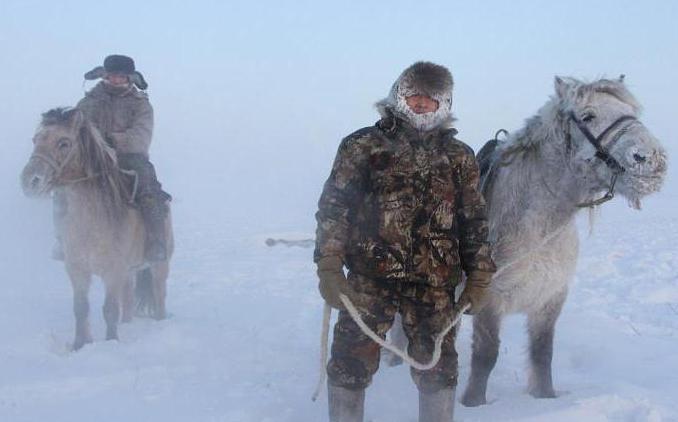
(252, 99)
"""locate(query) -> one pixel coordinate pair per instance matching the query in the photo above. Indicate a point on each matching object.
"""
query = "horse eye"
(588, 117)
(64, 143)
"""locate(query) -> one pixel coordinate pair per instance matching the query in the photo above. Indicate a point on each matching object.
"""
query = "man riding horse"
(119, 108)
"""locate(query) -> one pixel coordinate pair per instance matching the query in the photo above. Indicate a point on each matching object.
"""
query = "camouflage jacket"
(125, 119)
(400, 206)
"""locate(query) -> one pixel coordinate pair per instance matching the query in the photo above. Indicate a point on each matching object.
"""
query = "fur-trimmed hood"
(422, 78)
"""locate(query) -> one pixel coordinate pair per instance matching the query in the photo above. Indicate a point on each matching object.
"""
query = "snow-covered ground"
(242, 342)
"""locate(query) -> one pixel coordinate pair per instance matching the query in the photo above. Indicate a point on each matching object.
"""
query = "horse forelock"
(581, 93)
(60, 116)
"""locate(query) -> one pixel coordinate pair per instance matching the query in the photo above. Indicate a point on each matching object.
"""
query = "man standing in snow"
(402, 211)
(119, 108)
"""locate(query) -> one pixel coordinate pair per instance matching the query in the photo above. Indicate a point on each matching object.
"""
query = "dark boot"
(436, 407)
(346, 405)
(153, 213)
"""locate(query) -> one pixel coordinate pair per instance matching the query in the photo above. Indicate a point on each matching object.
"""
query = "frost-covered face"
(421, 96)
(429, 113)
(421, 104)
(598, 106)
(118, 80)
(53, 156)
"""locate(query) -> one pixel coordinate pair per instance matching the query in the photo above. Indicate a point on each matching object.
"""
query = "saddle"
(487, 158)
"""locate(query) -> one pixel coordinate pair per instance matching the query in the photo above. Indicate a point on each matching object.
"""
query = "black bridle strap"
(597, 142)
(603, 154)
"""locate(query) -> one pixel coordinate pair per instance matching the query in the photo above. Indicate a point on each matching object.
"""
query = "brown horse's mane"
(97, 160)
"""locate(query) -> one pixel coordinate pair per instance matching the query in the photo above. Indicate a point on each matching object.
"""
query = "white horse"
(583, 146)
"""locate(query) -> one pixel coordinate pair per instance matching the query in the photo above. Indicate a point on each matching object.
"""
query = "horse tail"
(144, 292)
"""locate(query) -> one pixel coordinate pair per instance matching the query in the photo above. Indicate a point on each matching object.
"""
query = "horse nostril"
(37, 182)
(639, 158)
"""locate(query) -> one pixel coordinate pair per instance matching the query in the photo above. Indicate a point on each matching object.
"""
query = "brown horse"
(103, 233)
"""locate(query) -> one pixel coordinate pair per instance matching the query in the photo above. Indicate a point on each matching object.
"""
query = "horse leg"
(485, 351)
(160, 272)
(128, 300)
(541, 329)
(80, 280)
(111, 310)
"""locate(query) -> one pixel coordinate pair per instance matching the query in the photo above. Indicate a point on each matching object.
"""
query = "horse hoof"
(543, 393)
(79, 344)
(473, 400)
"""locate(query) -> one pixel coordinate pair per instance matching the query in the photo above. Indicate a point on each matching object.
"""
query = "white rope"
(547, 239)
(355, 315)
(324, 337)
(437, 349)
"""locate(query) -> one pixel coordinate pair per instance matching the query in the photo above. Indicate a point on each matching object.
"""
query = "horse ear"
(561, 86)
(75, 118)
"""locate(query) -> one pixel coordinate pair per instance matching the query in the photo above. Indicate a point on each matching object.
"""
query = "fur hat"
(117, 63)
(422, 78)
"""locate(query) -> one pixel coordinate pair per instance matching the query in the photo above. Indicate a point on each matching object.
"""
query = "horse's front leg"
(115, 285)
(541, 328)
(80, 280)
(486, 327)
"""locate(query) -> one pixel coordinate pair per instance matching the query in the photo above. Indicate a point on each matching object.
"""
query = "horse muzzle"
(36, 179)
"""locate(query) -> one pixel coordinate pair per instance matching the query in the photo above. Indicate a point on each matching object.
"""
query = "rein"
(59, 168)
(355, 315)
(602, 152)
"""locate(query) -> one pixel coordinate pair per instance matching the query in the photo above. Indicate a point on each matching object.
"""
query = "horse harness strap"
(603, 154)
(59, 168)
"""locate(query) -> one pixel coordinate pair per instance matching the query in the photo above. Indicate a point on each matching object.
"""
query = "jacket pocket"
(373, 259)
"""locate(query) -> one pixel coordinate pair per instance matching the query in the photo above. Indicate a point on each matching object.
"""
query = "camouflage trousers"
(425, 312)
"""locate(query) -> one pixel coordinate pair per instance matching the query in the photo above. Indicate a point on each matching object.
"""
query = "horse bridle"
(603, 153)
(59, 167)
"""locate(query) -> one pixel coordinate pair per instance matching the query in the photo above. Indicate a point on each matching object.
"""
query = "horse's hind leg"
(485, 351)
(80, 280)
(160, 273)
(541, 329)
(111, 310)
(128, 300)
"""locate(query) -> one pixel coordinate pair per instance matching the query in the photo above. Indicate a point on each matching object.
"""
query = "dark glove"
(476, 292)
(332, 280)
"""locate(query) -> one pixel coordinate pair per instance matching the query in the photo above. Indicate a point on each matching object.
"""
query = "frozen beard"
(424, 121)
